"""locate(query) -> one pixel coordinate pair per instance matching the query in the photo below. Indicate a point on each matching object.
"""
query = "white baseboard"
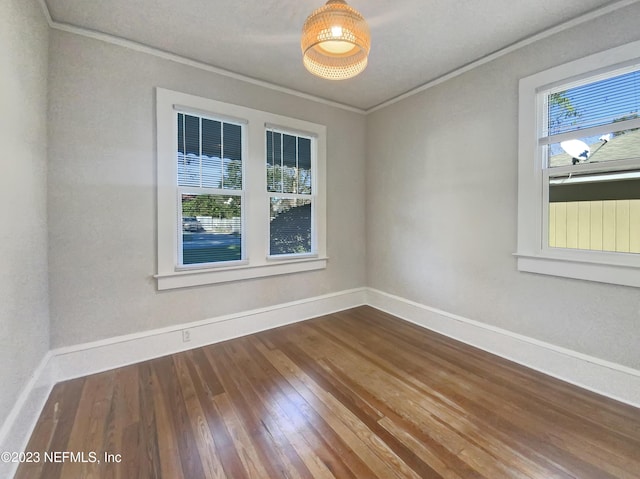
(19, 424)
(603, 377)
(90, 358)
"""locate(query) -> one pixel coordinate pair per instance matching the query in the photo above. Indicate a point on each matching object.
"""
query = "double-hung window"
(291, 193)
(210, 190)
(579, 169)
(223, 216)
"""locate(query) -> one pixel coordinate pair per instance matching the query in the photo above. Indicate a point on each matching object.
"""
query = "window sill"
(580, 268)
(185, 279)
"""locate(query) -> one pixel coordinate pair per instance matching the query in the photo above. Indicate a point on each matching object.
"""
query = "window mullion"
(295, 180)
(593, 131)
(618, 165)
(281, 163)
(184, 140)
(222, 154)
(544, 237)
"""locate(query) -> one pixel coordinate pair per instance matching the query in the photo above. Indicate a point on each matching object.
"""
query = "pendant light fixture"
(335, 41)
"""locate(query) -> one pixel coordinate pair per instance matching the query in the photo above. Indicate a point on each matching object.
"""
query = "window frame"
(533, 253)
(206, 190)
(311, 196)
(255, 262)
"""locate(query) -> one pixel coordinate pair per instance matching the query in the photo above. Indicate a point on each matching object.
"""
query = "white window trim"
(256, 262)
(532, 254)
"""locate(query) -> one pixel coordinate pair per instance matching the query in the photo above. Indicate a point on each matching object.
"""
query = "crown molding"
(592, 15)
(143, 48)
(140, 47)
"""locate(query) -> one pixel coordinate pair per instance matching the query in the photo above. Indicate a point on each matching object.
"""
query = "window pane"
(180, 133)
(211, 138)
(232, 175)
(289, 151)
(211, 228)
(288, 163)
(597, 211)
(598, 103)
(274, 162)
(192, 135)
(211, 172)
(290, 226)
(232, 151)
(619, 145)
(188, 170)
(202, 143)
(232, 142)
(304, 165)
(270, 163)
(188, 150)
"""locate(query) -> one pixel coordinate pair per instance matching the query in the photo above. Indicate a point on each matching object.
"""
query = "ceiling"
(413, 41)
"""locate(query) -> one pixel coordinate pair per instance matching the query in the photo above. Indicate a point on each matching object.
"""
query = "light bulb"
(334, 44)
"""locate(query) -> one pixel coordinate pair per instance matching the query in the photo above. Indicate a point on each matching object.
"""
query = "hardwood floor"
(357, 394)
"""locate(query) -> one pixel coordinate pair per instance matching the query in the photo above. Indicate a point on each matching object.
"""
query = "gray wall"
(442, 205)
(24, 319)
(102, 195)
(440, 199)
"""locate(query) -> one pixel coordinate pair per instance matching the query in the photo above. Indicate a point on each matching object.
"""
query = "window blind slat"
(603, 102)
(202, 143)
(593, 131)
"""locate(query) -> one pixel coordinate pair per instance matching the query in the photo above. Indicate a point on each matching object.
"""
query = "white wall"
(24, 320)
(442, 205)
(102, 195)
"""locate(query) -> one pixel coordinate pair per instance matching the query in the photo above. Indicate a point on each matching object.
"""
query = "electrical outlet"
(186, 335)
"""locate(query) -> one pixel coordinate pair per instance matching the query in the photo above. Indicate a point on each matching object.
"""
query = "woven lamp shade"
(335, 41)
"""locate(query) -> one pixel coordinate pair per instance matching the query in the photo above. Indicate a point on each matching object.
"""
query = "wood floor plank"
(205, 443)
(359, 404)
(252, 462)
(207, 387)
(553, 393)
(284, 435)
(351, 395)
(149, 456)
(87, 433)
(117, 417)
(365, 444)
(52, 429)
(279, 459)
(503, 445)
(580, 429)
(168, 450)
(425, 468)
(431, 413)
(172, 394)
(292, 415)
(333, 450)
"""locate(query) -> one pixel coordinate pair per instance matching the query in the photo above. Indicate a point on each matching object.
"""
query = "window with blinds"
(593, 121)
(596, 106)
(241, 193)
(210, 190)
(579, 168)
(590, 138)
(291, 193)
